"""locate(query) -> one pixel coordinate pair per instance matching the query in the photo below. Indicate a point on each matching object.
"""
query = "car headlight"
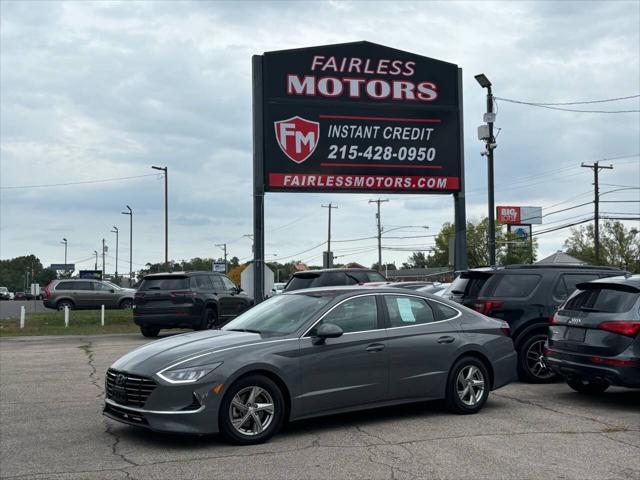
(187, 375)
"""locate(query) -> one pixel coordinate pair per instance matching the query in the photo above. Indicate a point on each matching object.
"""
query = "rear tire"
(468, 386)
(150, 332)
(583, 385)
(256, 418)
(531, 365)
(209, 320)
(64, 303)
(126, 304)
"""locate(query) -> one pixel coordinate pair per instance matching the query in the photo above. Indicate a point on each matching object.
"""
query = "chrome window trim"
(336, 306)
(157, 412)
(426, 300)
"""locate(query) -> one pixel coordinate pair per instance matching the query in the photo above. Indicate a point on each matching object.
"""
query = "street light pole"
(64, 241)
(95, 266)
(490, 147)
(103, 272)
(378, 201)
(329, 260)
(166, 213)
(130, 213)
(115, 230)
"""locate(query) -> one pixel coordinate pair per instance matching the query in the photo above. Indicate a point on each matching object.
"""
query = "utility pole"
(489, 118)
(378, 201)
(130, 213)
(103, 247)
(64, 241)
(224, 248)
(95, 266)
(596, 167)
(166, 213)
(329, 259)
(115, 230)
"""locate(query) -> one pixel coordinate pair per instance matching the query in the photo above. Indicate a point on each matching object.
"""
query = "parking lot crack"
(543, 407)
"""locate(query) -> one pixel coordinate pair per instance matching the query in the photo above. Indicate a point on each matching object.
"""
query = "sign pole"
(459, 201)
(258, 180)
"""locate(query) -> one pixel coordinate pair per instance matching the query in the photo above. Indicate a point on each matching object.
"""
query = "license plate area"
(575, 334)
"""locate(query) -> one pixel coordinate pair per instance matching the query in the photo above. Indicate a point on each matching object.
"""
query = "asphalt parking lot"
(51, 427)
(11, 308)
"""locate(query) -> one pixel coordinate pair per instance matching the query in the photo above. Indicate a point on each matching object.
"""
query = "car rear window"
(459, 285)
(606, 300)
(65, 286)
(514, 285)
(166, 283)
(298, 282)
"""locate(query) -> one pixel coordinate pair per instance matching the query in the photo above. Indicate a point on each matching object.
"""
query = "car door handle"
(375, 347)
(446, 339)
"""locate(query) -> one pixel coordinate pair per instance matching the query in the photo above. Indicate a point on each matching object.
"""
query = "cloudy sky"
(103, 90)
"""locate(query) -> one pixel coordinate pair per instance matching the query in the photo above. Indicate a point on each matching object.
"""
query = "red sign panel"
(508, 215)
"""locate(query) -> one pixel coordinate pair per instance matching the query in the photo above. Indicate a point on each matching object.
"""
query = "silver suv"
(81, 293)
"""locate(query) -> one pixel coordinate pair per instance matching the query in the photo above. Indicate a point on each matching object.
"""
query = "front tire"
(468, 386)
(150, 332)
(531, 365)
(126, 304)
(252, 410)
(585, 386)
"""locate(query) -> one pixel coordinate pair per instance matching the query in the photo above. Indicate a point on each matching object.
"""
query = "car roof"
(632, 281)
(181, 274)
(328, 270)
(559, 266)
(349, 290)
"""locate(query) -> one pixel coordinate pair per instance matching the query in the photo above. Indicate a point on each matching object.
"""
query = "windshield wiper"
(248, 330)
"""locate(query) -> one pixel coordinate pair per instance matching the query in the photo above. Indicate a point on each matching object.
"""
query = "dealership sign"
(358, 117)
(510, 215)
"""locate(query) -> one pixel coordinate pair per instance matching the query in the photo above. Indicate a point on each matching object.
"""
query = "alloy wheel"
(535, 361)
(470, 385)
(251, 411)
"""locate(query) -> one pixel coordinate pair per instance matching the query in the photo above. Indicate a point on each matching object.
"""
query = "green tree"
(619, 246)
(508, 249)
(385, 267)
(14, 273)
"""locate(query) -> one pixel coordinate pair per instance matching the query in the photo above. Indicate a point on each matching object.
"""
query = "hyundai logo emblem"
(121, 380)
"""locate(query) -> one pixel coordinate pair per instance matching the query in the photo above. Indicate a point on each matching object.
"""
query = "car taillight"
(487, 307)
(47, 293)
(629, 328)
(616, 362)
(139, 295)
(548, 351)
(553, 320)
(505, 329)
(185, 294)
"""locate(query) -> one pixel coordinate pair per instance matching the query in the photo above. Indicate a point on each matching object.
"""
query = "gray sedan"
(310, 353)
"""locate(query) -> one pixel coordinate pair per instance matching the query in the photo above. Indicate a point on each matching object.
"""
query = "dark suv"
(333, 277)
(197, 300)
(467, 285)
(526, 296)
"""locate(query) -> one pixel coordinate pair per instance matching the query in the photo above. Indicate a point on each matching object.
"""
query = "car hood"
(154, 356)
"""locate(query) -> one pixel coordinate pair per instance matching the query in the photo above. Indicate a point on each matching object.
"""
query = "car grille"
(128, 390)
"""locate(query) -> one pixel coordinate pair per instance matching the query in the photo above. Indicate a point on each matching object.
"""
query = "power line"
(571, 103)
(564, 109)
(79, 183)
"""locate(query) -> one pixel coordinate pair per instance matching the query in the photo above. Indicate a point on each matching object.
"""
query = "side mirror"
(327, 330)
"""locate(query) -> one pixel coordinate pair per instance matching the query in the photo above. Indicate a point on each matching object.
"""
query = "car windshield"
(280, 315)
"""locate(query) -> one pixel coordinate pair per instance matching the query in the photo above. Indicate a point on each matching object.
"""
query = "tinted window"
(228, 284)
(334, 279)
(361, 276)
(65, 286)
(567, 283)
(405, 311)
(203, 282)
(513, 285)
(602, 300)
(160, 283)
(355, 315)
(443, 312)
(376, 277)
(218, 286)
(101, 287)
(282, 314)
(459, 285)
(82, 286)
(299, 282)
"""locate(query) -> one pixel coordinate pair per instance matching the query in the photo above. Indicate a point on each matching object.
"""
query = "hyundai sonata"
(309, 353)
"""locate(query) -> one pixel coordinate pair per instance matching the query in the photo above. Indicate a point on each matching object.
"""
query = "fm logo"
(297, 137)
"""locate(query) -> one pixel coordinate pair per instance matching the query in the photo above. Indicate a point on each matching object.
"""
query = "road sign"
(510, 215)
(90, 274)
(220, 267)
(360, 117)
(521, 232)
(62, 267)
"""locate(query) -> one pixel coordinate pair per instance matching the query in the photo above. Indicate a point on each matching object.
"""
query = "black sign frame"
(277, 100)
